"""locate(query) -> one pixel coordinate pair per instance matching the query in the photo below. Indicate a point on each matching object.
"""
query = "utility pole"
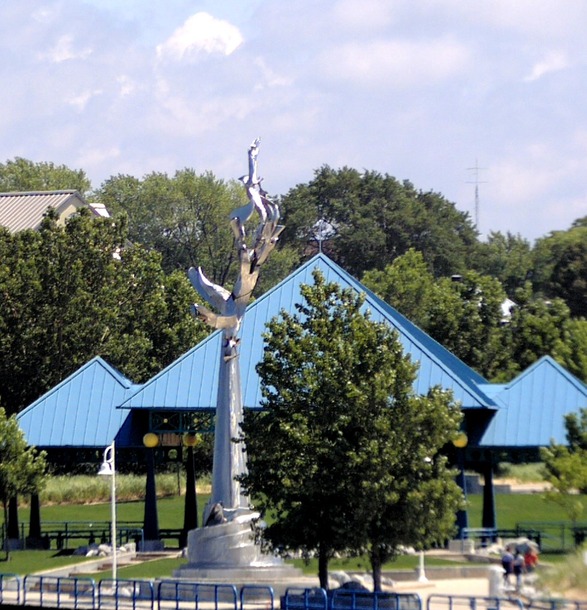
(476, 182)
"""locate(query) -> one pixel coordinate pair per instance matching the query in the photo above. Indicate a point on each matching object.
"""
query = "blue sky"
(422, 91)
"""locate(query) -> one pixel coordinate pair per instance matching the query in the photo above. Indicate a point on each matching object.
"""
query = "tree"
(184, 217)
(407, 284)
(24, 175)
(21, 467)
(465, 316)
(561, 267)
(373, 218)
(565, 467)
(71, 293)
(343, 455)
(538, 327)
(505, 257)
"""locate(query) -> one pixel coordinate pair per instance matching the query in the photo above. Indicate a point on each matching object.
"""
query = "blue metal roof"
(191, 382)
(531, 408)
(80, 411)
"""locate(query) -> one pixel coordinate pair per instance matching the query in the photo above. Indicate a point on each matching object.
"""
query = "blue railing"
(466, 602)
(86, 594)
(213, 596)
(10, 589)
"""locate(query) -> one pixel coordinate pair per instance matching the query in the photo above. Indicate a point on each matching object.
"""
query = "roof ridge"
(39, 192)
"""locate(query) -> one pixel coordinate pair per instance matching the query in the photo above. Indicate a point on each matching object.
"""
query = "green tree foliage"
(407, 284)
(71, 293)
(505, 257)
(186, 218)
(463, 315)
(561, 267)
(374, 218)
(24, 175)
(565, 467)
(538, 327)
(22, 468)
(466, 317)
(343, 455)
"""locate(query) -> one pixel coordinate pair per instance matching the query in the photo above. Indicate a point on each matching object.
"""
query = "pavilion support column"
(12, 530)
(34, 538)
(190, 517)
(152, 541)
(488, 518)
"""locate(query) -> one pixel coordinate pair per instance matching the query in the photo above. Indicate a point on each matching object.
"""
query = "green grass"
(29, 562)
(514, 508)
(510, 509)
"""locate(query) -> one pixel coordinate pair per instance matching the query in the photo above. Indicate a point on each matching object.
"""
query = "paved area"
(458, 586)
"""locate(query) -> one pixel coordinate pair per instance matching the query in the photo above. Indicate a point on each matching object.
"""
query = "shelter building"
(25, 210)
(97, 404)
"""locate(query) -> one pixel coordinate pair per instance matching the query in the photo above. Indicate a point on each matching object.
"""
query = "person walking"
(507, 563)
(518, 569)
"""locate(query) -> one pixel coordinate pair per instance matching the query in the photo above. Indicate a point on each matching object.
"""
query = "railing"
(465, 602)
(10, 589)
(85, 594)
(553, 536)
(61, 532)
(63, 592)
(124, 593)
(196, 594)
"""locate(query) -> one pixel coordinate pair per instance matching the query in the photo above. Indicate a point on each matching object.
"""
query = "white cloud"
(64, 50)
(397, 63)
(552, 62)
(367, 15)
(79, 102)
(201, 33)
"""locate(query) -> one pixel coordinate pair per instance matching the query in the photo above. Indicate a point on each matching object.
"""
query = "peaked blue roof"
(80, 411)
(531, 408)
(191, 382)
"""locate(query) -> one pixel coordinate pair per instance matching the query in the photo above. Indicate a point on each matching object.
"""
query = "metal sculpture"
(229, 457)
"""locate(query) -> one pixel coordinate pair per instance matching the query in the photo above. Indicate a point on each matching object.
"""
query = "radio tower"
(476, 182)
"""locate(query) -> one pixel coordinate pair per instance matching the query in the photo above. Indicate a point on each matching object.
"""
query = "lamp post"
(460, 442)
(190, 516)
(151, 541)
(108, 468)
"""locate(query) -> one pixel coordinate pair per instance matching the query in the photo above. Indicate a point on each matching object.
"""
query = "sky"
(453, 95)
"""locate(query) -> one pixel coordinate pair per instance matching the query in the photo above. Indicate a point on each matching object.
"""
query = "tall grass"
(86, 489)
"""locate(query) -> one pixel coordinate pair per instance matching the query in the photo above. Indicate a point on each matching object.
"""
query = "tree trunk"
(323, 567)
(376, 569)
(6, 545)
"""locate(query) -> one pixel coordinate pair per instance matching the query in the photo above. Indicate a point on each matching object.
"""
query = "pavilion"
(97, 404)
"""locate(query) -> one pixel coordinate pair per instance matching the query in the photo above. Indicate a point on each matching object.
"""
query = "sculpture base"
(227, 553)
(228, 545)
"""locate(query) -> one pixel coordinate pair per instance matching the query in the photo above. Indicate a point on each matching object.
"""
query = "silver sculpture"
(225, 550)
(229, 457)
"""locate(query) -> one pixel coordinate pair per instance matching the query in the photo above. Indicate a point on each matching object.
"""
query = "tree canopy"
(21, 174)
(344, 456)
(73, 292)
(565, 467)
(374, 218)
(22, 468)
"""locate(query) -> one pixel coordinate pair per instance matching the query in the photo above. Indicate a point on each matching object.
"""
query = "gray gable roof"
(19, 211)
(191, 382)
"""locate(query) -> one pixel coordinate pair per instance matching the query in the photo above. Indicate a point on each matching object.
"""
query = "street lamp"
(461, 442)
(108, 468)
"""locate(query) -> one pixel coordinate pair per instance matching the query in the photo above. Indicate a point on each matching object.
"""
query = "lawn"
(510, 508)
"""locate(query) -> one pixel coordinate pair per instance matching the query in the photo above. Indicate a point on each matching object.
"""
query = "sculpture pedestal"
(227, 553)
